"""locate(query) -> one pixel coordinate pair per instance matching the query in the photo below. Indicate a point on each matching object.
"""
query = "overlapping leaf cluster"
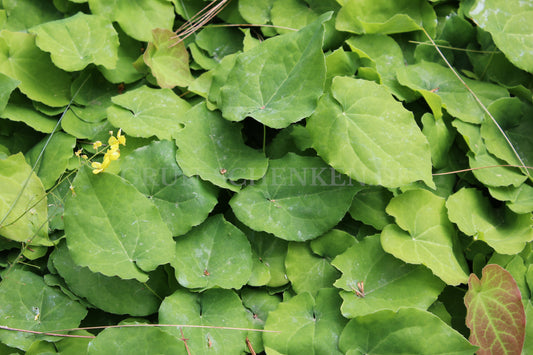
(283, 177)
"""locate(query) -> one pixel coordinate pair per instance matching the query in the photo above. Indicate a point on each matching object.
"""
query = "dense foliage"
(295, 177)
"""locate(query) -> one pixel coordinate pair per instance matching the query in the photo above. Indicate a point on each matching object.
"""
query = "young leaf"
(109, 238)
(279, 81)
(382, 281)
(305, 325)
(215, 254)
(409, 330)
(364, 117)
(28, 303)
(503, 230)
(424, 235)
(298, 199)
(146, 112)
(79, 40)
(27, 221)
(495, 314)
(169, 63)
(213, 148)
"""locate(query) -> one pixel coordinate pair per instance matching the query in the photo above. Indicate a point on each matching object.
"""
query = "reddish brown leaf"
(495, 314)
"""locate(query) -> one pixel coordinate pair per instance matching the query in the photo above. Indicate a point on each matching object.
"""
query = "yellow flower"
(112, 153)
(120, 139)
(78, 152)
(99, 167)
(97, 144)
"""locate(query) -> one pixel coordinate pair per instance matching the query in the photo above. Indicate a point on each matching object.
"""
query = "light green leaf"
(219, 42)
(213, 148)
(215, 308)
(256, 11)
(22, 15)
(7, 85)
(408, 330)
(340, 63)
(294, 14)
(55, 159)
(110, 294)
(424, 235)
(27, 303)
(169, 62)
(76, 126)
(381, 56)
(27, 220)
(268, 258)
(214, 254)
(369, 205)
(182, 202)
(135, 340)
(39, 79)
(519, 199)
(108, 238)
(502, 229)
(306, 271)
(128, 52)
(146, 112)
(440, 137)
(514, 118)
(332, 243)
(382, 281)
(441, 89)
(279, 81)
(509, 23)
(299, 199)
(496, 175)
(78, 41)
(305, 325)
(383, 16)
(22, 111)
(358, 129)
(136, 17)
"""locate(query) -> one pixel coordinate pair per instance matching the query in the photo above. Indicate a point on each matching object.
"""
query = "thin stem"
(455, 48)
(478, 101)
(482, 167)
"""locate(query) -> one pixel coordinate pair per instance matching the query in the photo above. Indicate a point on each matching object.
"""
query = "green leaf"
(146, 112)
(25, 14)
(182, 202)
(306, 271)
(27, 303)
(128, 52)
(298, 199)
(519, 199)
(136, 17)
(79, 128)
(442, 89)
(212, 308)
(215, 254)
(440, 137)
(502, 229)
(169, 62)
(495, 314)
(213, 148)
(514, 118)
(108, 238)
(381, 56)
(78, 41)
(7, 85)
(368, 206)
(305, 325)
(294, 14)
(112, 294)
(55, 159)
(497, 175)
(409, 330)
(135, 340)
(382, 16)
(23, 209)
(382, 281)
(509, 23)
(332, 243)
(424, 235)
(219, 42)
(22, 111)
(256, 11)
(279, 81)
(360, 138)
(39, 79)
